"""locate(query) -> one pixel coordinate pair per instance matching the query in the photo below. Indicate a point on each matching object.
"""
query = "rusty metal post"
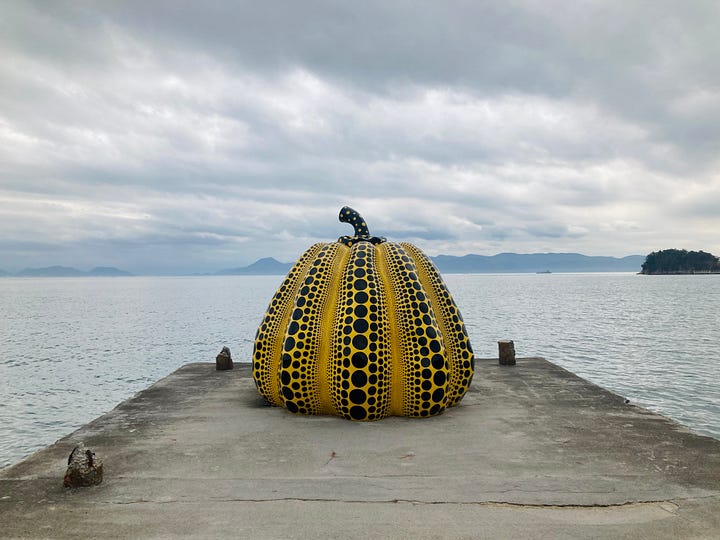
(223, 361)
(506, 352)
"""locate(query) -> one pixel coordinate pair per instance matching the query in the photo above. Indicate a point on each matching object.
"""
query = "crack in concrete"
(418, 502)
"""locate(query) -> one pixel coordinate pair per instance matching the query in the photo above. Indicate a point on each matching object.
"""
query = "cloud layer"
(185, 136)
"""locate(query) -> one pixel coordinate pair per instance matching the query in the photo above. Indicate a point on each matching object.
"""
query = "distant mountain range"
(482, 264)
(67, 271)
(262, 267)
(536, 262)
(447, 264)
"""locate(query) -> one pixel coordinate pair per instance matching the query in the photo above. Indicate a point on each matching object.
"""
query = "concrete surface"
(532, 452)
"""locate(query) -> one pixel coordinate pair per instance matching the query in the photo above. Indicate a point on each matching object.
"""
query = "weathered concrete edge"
(679, 426)
(245, 369)
(673, 516)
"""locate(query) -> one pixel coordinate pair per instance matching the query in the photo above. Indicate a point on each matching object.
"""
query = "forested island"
(680, 261)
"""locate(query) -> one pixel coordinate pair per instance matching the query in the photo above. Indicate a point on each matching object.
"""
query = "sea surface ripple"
(73, 348)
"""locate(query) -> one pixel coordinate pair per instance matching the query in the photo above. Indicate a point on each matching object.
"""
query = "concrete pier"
(531, 452)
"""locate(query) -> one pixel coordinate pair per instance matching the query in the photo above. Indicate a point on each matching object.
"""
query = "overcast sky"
(194, 136)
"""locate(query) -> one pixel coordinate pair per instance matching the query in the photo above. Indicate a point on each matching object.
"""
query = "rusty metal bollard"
(223, 361)
(506, 352)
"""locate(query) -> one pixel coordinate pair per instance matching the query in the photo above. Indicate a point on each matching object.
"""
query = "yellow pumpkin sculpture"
(364, 329)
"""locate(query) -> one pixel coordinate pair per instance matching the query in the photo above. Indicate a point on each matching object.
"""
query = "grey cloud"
(552, 230)
(703, 205)
(497, 233)
(418, 234)
(240, 128)
(631, 59)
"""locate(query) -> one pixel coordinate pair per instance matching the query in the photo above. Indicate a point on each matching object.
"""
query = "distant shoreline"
(502, 263)
(699, 273)
(445, 272)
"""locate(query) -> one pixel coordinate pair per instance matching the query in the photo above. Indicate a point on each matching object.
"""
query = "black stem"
(353, 217)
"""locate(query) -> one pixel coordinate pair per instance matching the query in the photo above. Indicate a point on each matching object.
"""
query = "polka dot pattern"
(425, 368)
(269, 337)
(457, 344)
(298, 374)
(360, 374)
(363, 330)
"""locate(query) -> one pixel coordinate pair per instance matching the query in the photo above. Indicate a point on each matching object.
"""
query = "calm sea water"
(73, 348)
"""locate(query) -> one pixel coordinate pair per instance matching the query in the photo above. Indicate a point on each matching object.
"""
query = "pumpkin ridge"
(270, 334)
(457, 343)
(328, 330)
(427, 282)
(424, 360)
(361, 374)
(397, 370)
(298, 373)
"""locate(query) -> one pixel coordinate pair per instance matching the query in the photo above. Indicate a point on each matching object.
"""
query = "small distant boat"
(544, 272)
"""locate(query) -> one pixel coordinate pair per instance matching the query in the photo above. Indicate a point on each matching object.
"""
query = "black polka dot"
(360, 285)
(360, 325)
(359, 360)
(358, 396)
(359, 378)
(291, 406)
(360, 341)
(357, 413)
